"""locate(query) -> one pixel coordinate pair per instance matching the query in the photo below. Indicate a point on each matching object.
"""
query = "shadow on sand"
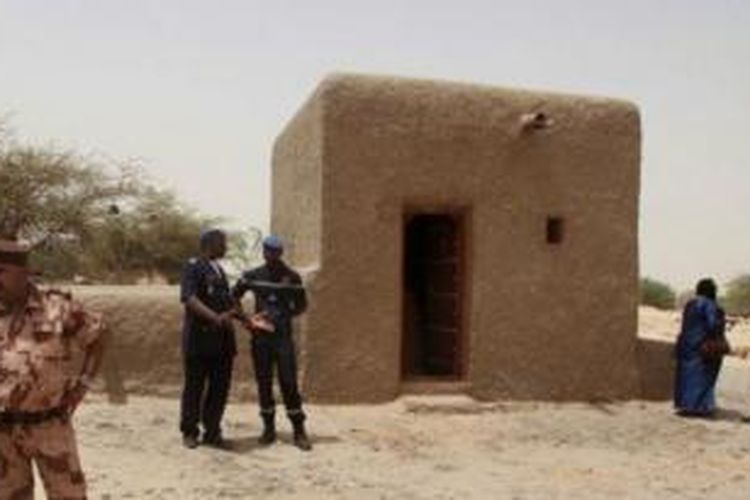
(250, 443)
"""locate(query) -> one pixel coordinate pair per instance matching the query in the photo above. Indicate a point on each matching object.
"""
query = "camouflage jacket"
(37, 347)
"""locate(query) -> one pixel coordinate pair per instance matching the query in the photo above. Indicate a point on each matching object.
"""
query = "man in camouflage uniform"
(38, 331)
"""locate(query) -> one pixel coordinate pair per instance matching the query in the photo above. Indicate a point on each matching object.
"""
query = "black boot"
(269, 430)
(216, 440)
(189, 441)
(301, 440)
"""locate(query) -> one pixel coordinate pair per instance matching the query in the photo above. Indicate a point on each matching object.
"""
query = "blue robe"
(695, 378)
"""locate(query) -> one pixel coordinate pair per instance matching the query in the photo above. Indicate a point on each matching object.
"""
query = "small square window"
(555, 230)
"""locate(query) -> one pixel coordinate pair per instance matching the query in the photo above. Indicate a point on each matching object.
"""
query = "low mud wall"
(144, 352)
(144, 342)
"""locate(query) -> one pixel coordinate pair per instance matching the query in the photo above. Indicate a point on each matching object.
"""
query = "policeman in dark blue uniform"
(279, 296)
(208, 342)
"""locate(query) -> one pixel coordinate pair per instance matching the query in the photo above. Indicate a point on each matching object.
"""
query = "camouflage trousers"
(52, 447)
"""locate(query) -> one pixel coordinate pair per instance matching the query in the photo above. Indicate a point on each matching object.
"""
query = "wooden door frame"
(463, 215)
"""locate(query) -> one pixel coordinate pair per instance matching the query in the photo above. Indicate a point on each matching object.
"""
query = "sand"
(425, 447)
(433, 447)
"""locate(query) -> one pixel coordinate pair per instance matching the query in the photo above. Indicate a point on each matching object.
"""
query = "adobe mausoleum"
(462, 237)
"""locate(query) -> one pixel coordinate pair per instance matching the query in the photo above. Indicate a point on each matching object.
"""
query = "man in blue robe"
(698, 362)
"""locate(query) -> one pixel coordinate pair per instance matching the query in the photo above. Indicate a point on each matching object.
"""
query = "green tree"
(244, 249)
(103, 222)
(152, 237)
(656, 294)
(45, 194)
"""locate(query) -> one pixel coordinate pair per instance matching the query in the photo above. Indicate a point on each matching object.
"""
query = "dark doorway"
(433, 296)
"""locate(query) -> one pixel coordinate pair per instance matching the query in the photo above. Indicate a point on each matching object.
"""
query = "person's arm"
(198, 307)
(251, 322)
(242, 286)
(189, 287)
(92, 360)
(90, 333)
(299, 297)
(712, 316)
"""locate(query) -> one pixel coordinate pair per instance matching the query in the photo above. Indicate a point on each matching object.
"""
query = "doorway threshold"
(435, 386)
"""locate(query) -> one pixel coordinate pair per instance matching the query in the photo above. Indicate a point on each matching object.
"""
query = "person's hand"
(260, 323)
(73, 397)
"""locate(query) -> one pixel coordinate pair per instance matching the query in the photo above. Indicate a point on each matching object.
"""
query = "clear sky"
(198, 90)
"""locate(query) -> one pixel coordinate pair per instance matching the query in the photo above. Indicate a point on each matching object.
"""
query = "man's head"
(213, 243)
(706, 288)
(273, 249)
(14, 271)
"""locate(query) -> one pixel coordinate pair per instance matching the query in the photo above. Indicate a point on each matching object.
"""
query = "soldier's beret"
(273, 242)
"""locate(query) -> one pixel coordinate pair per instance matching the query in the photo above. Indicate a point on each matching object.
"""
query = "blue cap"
(273, 242)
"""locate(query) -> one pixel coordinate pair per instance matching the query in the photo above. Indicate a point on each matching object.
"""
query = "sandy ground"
(434, 447)
(423, 447)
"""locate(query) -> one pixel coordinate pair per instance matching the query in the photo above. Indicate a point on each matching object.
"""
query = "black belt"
(31, 417)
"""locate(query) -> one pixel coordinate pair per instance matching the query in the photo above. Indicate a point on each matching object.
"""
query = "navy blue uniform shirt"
(281, 305)
(201, 337)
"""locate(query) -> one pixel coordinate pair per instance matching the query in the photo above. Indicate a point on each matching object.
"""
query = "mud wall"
(543, 321)
(144, 342)
(143, 356)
